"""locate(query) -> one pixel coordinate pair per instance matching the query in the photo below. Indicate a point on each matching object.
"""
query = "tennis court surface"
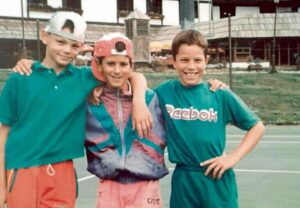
(269, 177)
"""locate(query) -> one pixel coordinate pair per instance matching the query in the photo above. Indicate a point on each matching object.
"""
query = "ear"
(44, 36)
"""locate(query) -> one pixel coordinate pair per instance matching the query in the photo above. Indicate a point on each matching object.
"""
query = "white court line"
(261, 171)
(236, 170)
(269, 142)
(85, 178)
(269, 136)
(268, 171)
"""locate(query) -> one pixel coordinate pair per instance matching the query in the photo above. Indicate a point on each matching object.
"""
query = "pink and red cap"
(108, 45)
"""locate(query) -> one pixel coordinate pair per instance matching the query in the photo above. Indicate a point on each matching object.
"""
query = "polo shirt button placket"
(55, 85)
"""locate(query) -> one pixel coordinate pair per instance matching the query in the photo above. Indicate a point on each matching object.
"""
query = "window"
(243, 51)
(37, 2)
(125, 7)
(72, 4)
(154, 9)
(129, 29)
(39, 5)
(196, 8)
(142, 27)
(67, 5)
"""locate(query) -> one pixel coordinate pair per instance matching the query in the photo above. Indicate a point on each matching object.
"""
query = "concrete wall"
(140, 5)
(216, 13)
(99, 10)
(171, 12)
(11, 8)
(204, 12)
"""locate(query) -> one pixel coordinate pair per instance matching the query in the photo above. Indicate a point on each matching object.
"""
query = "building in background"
(165, 17)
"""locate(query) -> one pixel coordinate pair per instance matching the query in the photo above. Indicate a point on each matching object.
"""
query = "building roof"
(249, 26)
(95, 31)
(12, 29)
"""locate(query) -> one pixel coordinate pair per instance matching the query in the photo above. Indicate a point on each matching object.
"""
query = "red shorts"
(145, 194)
(44, 186)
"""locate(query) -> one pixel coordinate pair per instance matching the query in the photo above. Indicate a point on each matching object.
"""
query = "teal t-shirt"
(46, 113)
(196, 120)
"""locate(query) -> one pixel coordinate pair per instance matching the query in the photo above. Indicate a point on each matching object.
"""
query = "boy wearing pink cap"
(129, 167)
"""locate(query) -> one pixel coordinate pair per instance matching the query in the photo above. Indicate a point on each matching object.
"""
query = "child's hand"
(23, 66)
(215, 167)
(141, 119)
(216, 84)
(94, 97)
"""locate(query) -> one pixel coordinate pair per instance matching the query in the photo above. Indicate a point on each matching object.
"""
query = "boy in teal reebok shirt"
(196, 120)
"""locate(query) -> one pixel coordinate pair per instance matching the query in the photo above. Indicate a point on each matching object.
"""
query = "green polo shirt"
(46, 113)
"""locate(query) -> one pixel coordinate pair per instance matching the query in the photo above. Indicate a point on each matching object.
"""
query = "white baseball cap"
(60, 20)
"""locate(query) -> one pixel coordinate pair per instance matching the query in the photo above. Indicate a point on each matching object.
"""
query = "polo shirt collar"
(38, 66)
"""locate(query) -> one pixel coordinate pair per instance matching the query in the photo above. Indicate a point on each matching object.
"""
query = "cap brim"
(98, 75)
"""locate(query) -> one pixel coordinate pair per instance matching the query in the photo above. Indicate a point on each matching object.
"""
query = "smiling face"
(60, 51)
(116, 70)
(190, 63)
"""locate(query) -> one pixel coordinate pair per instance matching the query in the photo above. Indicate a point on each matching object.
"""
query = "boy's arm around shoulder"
(157, 115)
(216, 84)
(4, 131)
(23, 66)
(158, 133)
(141, 116)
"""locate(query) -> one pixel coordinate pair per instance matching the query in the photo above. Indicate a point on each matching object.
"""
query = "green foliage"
(274, 97)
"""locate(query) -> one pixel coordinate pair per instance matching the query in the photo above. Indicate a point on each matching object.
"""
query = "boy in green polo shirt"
(43, 121)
